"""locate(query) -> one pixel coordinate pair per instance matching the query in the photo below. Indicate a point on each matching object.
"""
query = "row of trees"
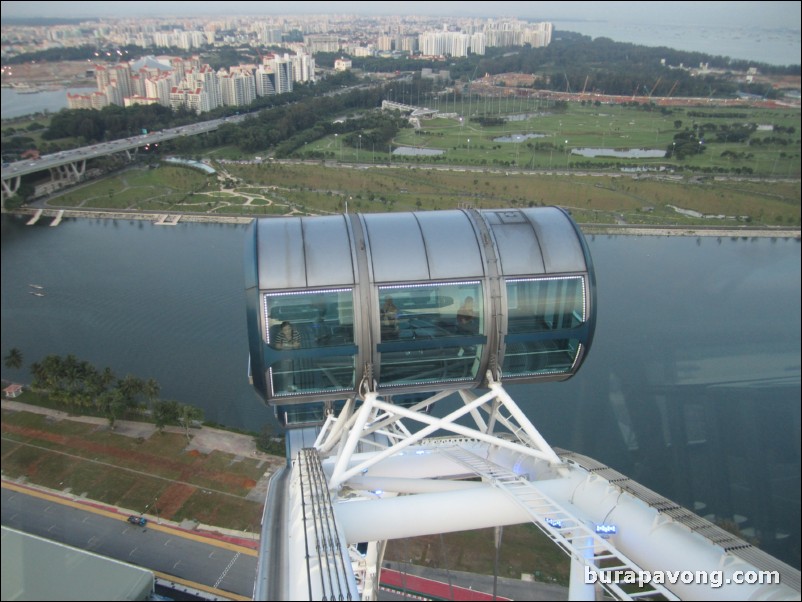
(78, 385)
(574, 62)
(287, 128)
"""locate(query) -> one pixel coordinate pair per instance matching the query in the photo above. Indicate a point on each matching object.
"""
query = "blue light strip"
(428, 284)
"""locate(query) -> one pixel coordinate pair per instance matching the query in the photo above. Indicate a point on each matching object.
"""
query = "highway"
(203, 563)
(27, 166)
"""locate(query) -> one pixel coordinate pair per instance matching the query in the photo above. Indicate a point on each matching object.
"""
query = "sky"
(760, 14)
(765, 32)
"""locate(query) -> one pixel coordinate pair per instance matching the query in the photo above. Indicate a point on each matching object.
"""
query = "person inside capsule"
(467, 322)
(288, 338)
(389, 318)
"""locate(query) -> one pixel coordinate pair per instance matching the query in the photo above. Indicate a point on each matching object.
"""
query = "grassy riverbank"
(599, 203)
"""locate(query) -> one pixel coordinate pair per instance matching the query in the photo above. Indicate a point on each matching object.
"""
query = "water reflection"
(518, 137)
(409, 151)
(629, 153)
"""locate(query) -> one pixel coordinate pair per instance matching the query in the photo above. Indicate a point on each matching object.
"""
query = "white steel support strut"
(368, 420)
(379, 472)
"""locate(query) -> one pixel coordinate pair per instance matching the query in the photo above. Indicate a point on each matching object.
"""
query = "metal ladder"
(327, 561)
(563, 528)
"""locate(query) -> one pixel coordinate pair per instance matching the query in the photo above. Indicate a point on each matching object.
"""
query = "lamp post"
(155, 509)
(358, 148)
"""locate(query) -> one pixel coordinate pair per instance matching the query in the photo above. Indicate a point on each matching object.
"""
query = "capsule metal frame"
(415, 302)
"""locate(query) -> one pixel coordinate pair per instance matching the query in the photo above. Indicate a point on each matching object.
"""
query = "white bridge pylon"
(378, 471)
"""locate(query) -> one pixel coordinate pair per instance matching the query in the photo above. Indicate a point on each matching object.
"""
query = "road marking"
(94, 509)
(199, 586)
(225, 571)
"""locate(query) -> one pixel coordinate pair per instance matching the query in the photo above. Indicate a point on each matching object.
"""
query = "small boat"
(37, 293)
(39, 286)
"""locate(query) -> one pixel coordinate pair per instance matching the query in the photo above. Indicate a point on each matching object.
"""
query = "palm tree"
(188, 414)
(112, 404)
(164, 412)
(130, 387)
(151, 388)
(14, 359)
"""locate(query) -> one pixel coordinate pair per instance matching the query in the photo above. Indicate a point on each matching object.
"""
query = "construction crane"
(657, 83)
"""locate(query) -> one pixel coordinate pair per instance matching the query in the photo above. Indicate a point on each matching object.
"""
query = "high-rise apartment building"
(237, 89)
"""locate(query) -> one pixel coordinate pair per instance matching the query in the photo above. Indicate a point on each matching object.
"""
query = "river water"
(776, 46)
(692, 385)
(17, 104)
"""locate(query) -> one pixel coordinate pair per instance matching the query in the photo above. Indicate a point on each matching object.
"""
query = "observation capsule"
(414, 302)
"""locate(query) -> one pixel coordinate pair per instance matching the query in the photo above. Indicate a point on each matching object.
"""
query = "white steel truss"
(375, 417)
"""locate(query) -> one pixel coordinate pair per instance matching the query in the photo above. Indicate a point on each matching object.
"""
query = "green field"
(557, 133)
(753, 182)
(591, 199)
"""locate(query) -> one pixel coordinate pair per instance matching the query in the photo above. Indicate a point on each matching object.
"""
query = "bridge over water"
(69, 167)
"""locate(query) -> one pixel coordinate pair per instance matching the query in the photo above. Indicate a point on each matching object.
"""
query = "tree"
(165, 411)
(187, 415)
(112, 404)
(150, 388)
(130, 387)
(268, 442)
(14, 359)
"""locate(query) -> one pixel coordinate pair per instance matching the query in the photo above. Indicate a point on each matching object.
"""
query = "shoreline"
(709, 231)
(608, 229)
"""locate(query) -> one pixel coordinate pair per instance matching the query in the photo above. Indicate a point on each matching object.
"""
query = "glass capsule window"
(430, 332)
(543, 317)
(310, 341)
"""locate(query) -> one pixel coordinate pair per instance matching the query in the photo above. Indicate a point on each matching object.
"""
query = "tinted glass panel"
(429, 333)
(317, 374)
(301, 414)
(312, 334)
(552, 356)
(545, 304)
(317, 318)
(539, 308)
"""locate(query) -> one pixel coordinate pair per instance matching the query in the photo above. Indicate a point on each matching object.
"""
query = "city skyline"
(779, 14)
(766, 32)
